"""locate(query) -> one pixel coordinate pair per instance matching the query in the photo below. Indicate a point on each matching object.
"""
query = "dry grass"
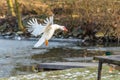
(93, 14)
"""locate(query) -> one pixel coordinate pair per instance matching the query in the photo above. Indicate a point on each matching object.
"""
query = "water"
(18, 57)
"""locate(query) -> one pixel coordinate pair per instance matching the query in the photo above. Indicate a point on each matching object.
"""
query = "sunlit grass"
(70, 74)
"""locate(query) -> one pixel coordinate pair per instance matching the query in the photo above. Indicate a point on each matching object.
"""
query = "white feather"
(35, 28)
(48, 20)
(46, 36)
(40, 42)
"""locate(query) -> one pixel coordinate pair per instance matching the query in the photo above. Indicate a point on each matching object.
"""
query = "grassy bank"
(70, 74)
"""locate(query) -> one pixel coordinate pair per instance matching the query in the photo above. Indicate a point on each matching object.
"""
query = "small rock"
(19, 32)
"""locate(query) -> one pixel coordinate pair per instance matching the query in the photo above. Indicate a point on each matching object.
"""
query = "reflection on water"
(106, 44)
(59, 54)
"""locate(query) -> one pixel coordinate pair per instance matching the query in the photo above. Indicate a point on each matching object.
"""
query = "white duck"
(47, 29)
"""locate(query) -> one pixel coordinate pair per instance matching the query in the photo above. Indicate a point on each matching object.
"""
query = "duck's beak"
(65, 29)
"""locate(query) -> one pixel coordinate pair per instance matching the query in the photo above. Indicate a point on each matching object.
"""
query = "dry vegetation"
(83, 18)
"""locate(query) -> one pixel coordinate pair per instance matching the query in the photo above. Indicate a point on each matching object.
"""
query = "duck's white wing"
(35, 28)
(48, 21)
(46, 33)
(40, 42)
(46, 36)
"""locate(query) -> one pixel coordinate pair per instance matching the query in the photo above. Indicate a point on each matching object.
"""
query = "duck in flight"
(46, 30)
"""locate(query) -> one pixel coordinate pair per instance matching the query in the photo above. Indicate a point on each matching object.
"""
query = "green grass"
(70, 74)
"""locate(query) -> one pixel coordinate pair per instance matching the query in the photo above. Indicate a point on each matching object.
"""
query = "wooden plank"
(65, 65)
(113, 59)
(79, 59)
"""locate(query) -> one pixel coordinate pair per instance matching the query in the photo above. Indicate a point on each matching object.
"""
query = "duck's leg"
(46, 42)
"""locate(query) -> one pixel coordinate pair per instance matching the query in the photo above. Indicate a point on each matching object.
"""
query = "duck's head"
(63, 28)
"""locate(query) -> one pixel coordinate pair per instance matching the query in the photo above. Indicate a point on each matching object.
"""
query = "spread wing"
(48, 21)
(36, 29)
(40, 42)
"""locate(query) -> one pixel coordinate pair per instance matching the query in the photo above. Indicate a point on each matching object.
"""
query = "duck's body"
(48, 30)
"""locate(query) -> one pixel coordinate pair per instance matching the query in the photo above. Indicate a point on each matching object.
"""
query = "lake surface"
(18, 56)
